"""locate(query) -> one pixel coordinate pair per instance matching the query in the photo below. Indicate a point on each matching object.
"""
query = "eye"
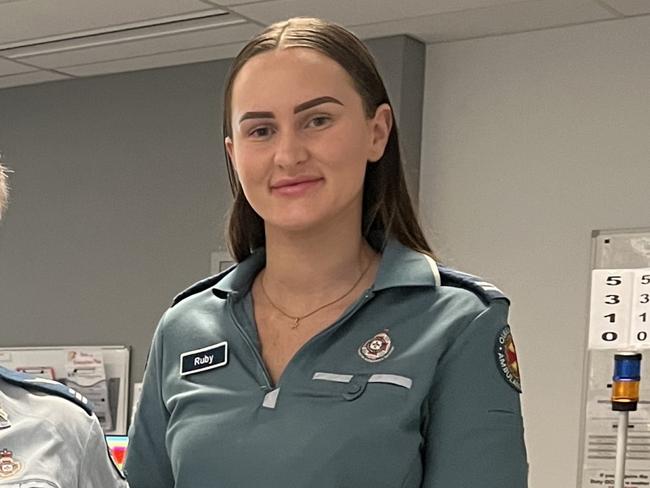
(319, 121)
(260, 132)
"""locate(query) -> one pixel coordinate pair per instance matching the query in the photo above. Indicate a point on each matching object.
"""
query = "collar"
(400, 266)
(240, 278)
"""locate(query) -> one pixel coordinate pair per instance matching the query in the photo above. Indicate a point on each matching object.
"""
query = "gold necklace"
(297, 319)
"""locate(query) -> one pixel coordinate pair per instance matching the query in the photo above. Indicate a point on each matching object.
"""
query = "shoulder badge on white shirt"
(4, 419)
(8, 465)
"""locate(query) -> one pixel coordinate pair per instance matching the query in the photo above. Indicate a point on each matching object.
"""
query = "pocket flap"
(393, 379)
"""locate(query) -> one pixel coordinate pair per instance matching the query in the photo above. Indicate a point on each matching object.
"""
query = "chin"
(295, 224)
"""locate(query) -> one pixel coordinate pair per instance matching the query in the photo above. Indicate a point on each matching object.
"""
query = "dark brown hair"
(387, 209)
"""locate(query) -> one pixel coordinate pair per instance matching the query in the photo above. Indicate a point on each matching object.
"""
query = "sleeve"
(147, 461)
(474, 429)
(97, 469)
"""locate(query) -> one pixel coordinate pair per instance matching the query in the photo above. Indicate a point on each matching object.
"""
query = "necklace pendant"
(296, 323)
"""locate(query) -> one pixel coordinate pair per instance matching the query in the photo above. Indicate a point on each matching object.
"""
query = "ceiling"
(46, 40)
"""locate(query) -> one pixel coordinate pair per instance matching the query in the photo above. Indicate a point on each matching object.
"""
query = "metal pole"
(625, 397)
(621, 446)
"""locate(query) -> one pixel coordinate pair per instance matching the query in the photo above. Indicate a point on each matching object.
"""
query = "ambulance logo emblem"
(376, 349)
(506, 356)
(8, 466)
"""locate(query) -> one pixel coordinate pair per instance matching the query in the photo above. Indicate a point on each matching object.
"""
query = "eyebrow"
(316, 101)
(299, 108)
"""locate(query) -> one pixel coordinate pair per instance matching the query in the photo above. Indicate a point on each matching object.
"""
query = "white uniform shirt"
(49, 442)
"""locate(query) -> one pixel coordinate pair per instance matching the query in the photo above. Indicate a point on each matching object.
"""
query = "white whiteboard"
(620, 265)
(116, 365)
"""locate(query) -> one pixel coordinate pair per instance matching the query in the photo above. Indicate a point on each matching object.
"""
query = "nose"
(290, 149)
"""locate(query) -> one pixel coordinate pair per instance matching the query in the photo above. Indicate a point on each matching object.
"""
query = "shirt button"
(355, 389)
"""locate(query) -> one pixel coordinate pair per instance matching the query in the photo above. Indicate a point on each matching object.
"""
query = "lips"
(295, 186)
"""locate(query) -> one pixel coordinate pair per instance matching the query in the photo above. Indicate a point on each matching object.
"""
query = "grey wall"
(119, 196)
(117, 200)
(530, 142)
(401, 60)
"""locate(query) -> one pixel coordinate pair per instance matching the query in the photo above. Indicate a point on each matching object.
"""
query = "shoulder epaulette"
(200, 286)
(485, 291)
(50, 387)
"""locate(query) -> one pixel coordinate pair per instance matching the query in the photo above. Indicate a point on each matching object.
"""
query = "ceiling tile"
(155, 61)
(30, 78)
(41, 18)
(8, 67)
(156, 45)
(348, 12)
(502, 19)
(630, 7)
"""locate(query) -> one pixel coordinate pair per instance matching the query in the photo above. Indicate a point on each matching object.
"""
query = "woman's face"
(301, 140)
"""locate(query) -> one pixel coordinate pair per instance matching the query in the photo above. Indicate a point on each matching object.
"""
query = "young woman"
(336, 353)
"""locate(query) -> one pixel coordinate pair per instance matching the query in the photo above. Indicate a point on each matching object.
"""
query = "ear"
(380, 126)
(230, 150)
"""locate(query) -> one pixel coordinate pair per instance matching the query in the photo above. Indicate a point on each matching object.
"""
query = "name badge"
(204, 359)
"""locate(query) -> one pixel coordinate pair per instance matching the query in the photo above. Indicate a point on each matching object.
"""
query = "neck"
(315, 263)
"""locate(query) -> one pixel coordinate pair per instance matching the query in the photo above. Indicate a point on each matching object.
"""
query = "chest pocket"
(353, 386)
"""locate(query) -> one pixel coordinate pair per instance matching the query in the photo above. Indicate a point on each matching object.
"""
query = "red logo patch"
(506, 356)
(376, 349)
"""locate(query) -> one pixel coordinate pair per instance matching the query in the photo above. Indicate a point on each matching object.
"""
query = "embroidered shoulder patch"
(8, 465)
(506, 357)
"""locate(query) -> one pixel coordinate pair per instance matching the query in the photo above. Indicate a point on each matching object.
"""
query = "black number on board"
(609, 336)
(614, 280)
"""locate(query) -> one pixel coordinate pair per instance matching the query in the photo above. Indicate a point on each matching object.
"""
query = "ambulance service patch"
(506, 356)
(8, 465)
(377, 348)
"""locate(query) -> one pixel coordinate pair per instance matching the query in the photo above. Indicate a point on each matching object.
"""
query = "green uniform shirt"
(412, 387)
